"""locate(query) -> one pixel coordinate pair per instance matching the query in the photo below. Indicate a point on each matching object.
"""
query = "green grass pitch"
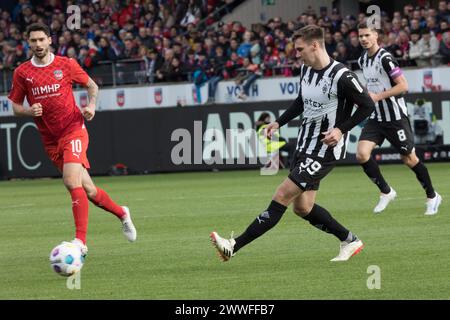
(174, 259)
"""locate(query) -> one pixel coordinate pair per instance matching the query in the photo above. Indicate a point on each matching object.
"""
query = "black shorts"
(398, 133)
(307, 171)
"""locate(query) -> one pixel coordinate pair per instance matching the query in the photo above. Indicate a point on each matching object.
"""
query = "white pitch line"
(23, 205)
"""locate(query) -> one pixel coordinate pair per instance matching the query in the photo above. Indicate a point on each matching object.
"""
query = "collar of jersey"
(52, 57)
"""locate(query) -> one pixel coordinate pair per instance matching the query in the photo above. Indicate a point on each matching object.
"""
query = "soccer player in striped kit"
(386, 85)
(328, 93)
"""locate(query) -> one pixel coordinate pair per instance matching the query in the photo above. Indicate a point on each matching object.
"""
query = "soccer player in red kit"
(46, 81)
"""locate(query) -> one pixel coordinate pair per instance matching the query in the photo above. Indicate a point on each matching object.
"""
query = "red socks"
(80, 209)
(103, 201)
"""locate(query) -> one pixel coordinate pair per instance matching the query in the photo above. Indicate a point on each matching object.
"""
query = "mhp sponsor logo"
(290, 88)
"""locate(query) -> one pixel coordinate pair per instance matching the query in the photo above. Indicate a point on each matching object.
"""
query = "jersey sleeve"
(354, 93)
(292, 112)
(295, 109)
(18, 90)
(77, 74)
(391, 67)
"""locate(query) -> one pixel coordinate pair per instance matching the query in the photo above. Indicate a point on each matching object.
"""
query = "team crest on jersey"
(326, 85)
(120, 98)
(158, 96)
(83, 100)
(58, 74)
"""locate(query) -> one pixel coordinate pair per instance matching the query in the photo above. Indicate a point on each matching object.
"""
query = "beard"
(40, 54)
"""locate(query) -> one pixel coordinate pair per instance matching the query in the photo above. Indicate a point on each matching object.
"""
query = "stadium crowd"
(180, 40)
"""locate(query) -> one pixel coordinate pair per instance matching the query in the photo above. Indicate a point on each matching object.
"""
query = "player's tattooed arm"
(89, 110)
(92, 89)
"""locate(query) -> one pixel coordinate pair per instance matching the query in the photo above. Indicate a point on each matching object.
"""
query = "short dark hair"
(310, 33)
(364, 25)
(38, 27)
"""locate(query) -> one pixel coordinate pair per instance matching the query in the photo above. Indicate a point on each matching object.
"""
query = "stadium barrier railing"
(136, 72)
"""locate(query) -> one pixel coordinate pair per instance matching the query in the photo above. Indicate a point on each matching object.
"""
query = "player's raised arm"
(354, 93)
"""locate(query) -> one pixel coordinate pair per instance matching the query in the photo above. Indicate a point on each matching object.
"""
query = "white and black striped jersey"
(380, 70)
(326, 99)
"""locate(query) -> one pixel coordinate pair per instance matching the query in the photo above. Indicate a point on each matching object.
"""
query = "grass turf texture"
(174, 259)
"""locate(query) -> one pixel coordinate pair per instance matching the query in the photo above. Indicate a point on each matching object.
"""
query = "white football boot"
(81, 245)
(433, 205)
(348, 250)
(384, 201)
(128, 229)
(225, 247)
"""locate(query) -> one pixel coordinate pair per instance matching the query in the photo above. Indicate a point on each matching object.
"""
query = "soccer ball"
(66, 259)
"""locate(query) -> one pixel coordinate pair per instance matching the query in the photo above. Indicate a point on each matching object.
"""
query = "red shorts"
(71, 148)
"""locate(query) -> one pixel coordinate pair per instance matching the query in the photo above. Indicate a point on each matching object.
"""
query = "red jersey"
(51, 85)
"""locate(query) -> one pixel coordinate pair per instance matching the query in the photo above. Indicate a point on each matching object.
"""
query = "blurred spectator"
(271, 60)
(115, 30)
(216, 72)
(255, 52)
(175, 73)
(296, 67)
(414, 25)
(443, 27)
(392, 46)
(244, 49)
(153, 63)
(444, 47)
(428, 47)
(432, 25)
(62, 46)
(414, 46)
(166, 66)
(200, 75)
(145, 37)
(341, 53)
(104, 52)
(354, 50)
(443, 13)
(20, 57)
(403, 42)
(330, 44)
(249, 74)
(232, 65)
(7, 57)
(283, 67)
(72, 53)
(190, 61)
(130, 51)
(338, 37)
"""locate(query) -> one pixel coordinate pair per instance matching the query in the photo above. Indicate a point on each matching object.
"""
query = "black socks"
(372, 170)
(424, 178)
(322, 219)
(263, 223)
